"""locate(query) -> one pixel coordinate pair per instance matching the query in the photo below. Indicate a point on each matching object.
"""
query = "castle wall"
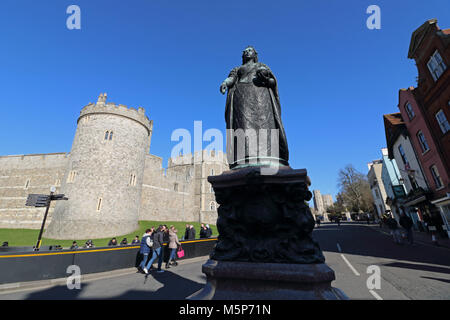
(104, 177)
(110, 178)
(28, 174)
(167, 195)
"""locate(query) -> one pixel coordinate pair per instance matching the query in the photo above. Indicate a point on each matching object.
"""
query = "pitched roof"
(393, 126)
(421, 32)
(394, 118)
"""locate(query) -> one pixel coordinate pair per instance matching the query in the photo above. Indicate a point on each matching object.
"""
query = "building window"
(212, 206)
(71, 176)
(443, 122)
(211, 189)
(212, 172)
(403, 155)
(436, 65)
(377, 195)
(437, 179)
(175, 187)
(422, 141)
(27, 184)
(99, 204)
(132, 180)
(409, 110)
(109, 135)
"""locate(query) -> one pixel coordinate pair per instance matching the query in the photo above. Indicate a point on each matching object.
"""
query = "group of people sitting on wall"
(112, 242)
(190, 234)
(124, 242)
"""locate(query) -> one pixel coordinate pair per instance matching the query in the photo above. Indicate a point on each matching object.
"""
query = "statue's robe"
(254, 106)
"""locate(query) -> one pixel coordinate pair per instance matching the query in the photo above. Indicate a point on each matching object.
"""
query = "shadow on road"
(437, 279)
(418, 267)
(174, 287)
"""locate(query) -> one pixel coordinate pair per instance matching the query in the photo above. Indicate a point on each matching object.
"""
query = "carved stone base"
(265, 248)
(264, 217)
(267, 281)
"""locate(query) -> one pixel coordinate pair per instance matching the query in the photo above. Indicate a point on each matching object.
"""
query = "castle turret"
(103, 180)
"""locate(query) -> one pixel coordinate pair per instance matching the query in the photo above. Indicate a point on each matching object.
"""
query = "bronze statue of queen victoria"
(253, 105)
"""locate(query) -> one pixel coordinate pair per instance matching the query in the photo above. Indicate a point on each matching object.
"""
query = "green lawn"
(27, 237)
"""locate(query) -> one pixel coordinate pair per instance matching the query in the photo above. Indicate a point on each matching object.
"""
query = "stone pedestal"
(267, 281)
(265, 249)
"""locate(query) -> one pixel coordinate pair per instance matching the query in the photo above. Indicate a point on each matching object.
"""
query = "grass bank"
(27, 237)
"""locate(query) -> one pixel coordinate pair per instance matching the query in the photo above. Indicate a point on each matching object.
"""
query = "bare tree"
(355, 192)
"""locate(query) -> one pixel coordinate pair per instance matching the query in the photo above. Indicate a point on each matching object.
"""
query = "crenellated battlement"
(103, 107)
(199, 156)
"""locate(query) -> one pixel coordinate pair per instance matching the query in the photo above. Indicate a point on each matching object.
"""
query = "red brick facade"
(430, 48)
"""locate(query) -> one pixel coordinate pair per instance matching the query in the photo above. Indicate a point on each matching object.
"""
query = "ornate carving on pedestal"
(265, 218)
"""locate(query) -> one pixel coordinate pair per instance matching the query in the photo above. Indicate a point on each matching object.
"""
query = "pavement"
(422, 237)
(356, 252)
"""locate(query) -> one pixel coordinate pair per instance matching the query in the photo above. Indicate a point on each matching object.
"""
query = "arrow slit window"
(132, 180)
(99, 204)
(71, 176)
(27, 184)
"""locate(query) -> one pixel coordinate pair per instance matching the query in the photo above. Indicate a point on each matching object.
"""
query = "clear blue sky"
(336, 77)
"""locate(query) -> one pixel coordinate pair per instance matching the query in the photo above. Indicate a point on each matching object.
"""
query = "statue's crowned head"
(249, 53)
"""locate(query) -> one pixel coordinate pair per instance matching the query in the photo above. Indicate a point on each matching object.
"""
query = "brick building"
(426, 111)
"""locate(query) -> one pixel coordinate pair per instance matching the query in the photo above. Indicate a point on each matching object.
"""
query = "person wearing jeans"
(146, 247)
(173, 245)
(158, 240)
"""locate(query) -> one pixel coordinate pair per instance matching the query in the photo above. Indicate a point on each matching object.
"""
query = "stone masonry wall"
(27, 174)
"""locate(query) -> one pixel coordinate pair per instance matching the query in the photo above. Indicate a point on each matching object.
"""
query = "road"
(420, 271)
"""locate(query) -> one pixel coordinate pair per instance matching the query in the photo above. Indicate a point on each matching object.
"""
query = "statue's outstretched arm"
(229, 82)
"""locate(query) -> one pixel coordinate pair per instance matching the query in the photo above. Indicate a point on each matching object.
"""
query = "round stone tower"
(103, 180)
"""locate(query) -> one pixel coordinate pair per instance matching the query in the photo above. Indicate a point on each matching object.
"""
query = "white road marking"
(350, 266)
(339, 247)
(375, 295)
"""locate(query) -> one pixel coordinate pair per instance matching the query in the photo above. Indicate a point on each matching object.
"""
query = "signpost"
(41, 201)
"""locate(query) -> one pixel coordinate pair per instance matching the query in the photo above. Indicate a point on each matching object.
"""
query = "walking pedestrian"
(407, 223)
(74, 246)
(174, 244)
(158, 241)
(146, 247)
(434, 239)
(395, 232)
